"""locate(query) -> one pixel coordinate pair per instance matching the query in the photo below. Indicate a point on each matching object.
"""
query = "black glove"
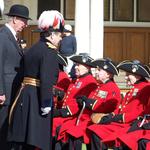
(134, 125)
(117, 118)
(56, 113)
(80, 100)
(61, 95)
(89, 103)
(58, 93)
(106, 119)
(146, 126)
(64, 112)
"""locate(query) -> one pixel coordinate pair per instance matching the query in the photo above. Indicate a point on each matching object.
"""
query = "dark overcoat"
(27, 124)
(10, 56)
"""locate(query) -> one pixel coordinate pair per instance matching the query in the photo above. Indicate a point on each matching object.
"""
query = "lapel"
(12, 38)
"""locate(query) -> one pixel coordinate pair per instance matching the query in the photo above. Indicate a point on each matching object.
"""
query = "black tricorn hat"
(134, 67)
(82, 58)
(105, 64)
(19, 11)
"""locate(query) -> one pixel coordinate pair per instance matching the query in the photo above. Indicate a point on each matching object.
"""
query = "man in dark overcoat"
(10, 57)
(30, 115)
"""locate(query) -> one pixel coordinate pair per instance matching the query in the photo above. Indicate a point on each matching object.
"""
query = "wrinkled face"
(81, 70)
(131, 78)
(101, 75)
(19, 23)
(56, 37)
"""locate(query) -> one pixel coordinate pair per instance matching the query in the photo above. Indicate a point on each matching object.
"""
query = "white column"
(82, 25)
(96, 29)
(89, 27)
(1, 6)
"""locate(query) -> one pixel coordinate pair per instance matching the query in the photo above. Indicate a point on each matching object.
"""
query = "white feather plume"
(48, 18)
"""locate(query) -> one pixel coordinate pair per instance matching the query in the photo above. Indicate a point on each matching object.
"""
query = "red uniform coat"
(81, 86)
(62, 84)
(131, 138)
(131, 107)
(63, 81)
(106, 100)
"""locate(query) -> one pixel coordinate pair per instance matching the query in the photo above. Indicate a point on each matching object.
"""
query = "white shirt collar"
(12, 30)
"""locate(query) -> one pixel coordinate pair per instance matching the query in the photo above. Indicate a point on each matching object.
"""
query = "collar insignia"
(135, 91)
(51, 45)
(78, 85)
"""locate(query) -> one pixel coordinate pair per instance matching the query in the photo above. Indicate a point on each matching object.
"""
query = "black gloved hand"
(61, 95)
(64, 112)
(58, 93)
(56, 113)
(106, 119)
(146, 126)
(83, 97)
(117, 118)
(134, 125)
(80, 100)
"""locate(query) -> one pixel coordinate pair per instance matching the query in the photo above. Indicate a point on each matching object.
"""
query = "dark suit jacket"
(10, 56)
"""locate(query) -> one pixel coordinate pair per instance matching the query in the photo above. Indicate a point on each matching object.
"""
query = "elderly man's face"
(101, 75)
(19, 23)
(131, 78)
(81, 70)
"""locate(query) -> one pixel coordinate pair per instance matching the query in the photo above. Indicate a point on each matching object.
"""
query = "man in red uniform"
(103, 99)
(82, 85)
(144, 141)
(62, 84)
(129, 109)
(138, 136)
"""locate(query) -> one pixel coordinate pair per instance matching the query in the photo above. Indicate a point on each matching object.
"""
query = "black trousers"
(4, 127)
(75, 144)
(142, 144)
(96, 143)
(61, 146)
(72, 144)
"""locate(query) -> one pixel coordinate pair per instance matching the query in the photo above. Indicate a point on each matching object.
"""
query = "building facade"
(123, 33)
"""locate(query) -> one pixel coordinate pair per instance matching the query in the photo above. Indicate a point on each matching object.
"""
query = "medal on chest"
(78, 85)
(102, 94)
(135, 91)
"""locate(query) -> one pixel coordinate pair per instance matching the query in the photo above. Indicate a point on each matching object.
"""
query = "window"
(127, 13)
(48, 5)
(143, 10)
(123, 10)
(106, 10)
(69, 9)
